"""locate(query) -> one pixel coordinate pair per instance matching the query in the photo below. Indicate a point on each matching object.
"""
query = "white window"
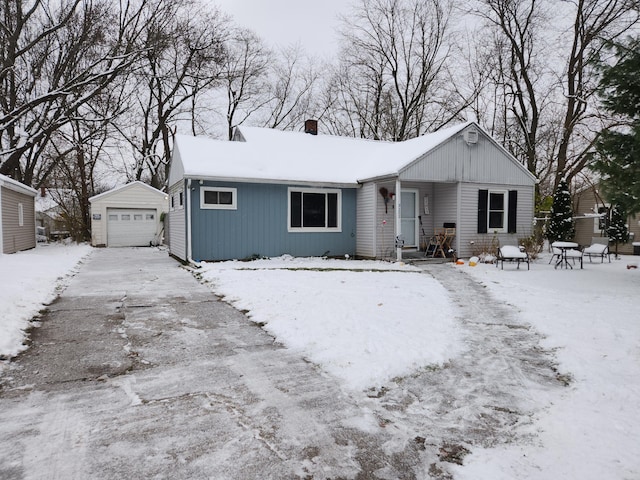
(315, 210)
(219, 198)
(20, 215)
(113, 217)
(150, 216)
(177, 200)
(125, 216)
(497, 211)
(137, 217)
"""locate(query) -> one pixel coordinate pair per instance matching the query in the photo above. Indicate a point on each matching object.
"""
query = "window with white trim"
(220, 198)
(20, 215)
(497, 210)
(315, 210)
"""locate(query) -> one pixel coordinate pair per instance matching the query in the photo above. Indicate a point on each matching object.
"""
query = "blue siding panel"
(259, 226)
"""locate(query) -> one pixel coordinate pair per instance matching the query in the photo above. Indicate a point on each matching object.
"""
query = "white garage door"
(131, 227)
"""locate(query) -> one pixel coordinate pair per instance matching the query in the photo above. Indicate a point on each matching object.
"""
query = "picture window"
(314, 210)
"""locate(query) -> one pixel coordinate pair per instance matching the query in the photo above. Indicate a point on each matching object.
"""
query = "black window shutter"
(513, 208)
(483, 198)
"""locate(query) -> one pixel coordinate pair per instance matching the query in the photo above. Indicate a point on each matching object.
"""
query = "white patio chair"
(511, 253)
(599, 248)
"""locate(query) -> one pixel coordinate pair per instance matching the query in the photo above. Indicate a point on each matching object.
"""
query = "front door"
(409, 217)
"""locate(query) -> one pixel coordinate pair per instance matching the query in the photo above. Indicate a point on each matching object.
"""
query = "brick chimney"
(311, 126)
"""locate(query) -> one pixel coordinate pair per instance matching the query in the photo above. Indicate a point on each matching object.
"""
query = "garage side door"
(131, 227)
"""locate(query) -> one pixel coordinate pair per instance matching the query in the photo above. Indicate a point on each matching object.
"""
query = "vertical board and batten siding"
(16, 238)
(259, 226)
(467, 229)
(177, 234)
(131, 196)
(366, 221)
(457, 161)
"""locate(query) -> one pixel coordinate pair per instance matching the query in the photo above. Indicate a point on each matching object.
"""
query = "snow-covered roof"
(137, 183)
(279, 156)
(52, 199)
(16, 186)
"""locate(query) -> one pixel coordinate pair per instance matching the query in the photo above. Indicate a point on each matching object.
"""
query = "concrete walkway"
(138, 371)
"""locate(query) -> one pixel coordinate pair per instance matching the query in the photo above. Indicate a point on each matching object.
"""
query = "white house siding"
(366, 221)
(467, 230)
(131, 196)
(457, 161)
(16, 237)
(385, 221)
(177, 228)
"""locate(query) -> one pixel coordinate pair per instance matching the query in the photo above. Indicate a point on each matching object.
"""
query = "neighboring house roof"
(282, 156)
(136, 184)
(12, 184)
(52, 199)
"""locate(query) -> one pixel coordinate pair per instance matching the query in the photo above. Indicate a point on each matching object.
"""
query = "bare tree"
(56, 57)
(293, 78)
(392, 82)
(544, 78)
(183, 53)
(245, 77)
(596, 24)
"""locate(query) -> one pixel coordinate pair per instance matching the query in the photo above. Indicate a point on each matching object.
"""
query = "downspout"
(458, 220)
(1, 237)
(187, 201)
(398, 225)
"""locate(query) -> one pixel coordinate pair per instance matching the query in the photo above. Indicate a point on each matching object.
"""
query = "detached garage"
(128, 216)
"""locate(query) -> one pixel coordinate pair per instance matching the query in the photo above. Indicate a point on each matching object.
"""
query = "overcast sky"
(286, 22)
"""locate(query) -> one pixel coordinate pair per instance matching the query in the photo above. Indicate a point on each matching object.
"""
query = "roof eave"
(279, 181)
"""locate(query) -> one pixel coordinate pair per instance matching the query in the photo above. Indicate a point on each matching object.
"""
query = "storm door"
(409, 217)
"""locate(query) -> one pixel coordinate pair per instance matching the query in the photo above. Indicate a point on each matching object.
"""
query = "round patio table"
(564, 247)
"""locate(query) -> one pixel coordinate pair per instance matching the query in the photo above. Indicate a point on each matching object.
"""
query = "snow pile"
(29, 280)
(361, 323)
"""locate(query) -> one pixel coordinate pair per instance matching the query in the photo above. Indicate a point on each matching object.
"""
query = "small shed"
(17, 216)
(128, 216)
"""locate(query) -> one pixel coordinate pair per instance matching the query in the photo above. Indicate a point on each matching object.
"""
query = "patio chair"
(599, 248)
(512, 253)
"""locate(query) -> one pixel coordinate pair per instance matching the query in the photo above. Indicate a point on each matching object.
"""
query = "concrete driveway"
(138, 371)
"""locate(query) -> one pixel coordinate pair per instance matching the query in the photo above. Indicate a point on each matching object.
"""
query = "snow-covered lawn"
(29, 280)
(363, 328)
(358, 319)
(367, 322)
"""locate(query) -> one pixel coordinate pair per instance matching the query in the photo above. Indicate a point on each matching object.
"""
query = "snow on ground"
(357, 320)
(590, 318)
(359, 324)
(29, 280)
